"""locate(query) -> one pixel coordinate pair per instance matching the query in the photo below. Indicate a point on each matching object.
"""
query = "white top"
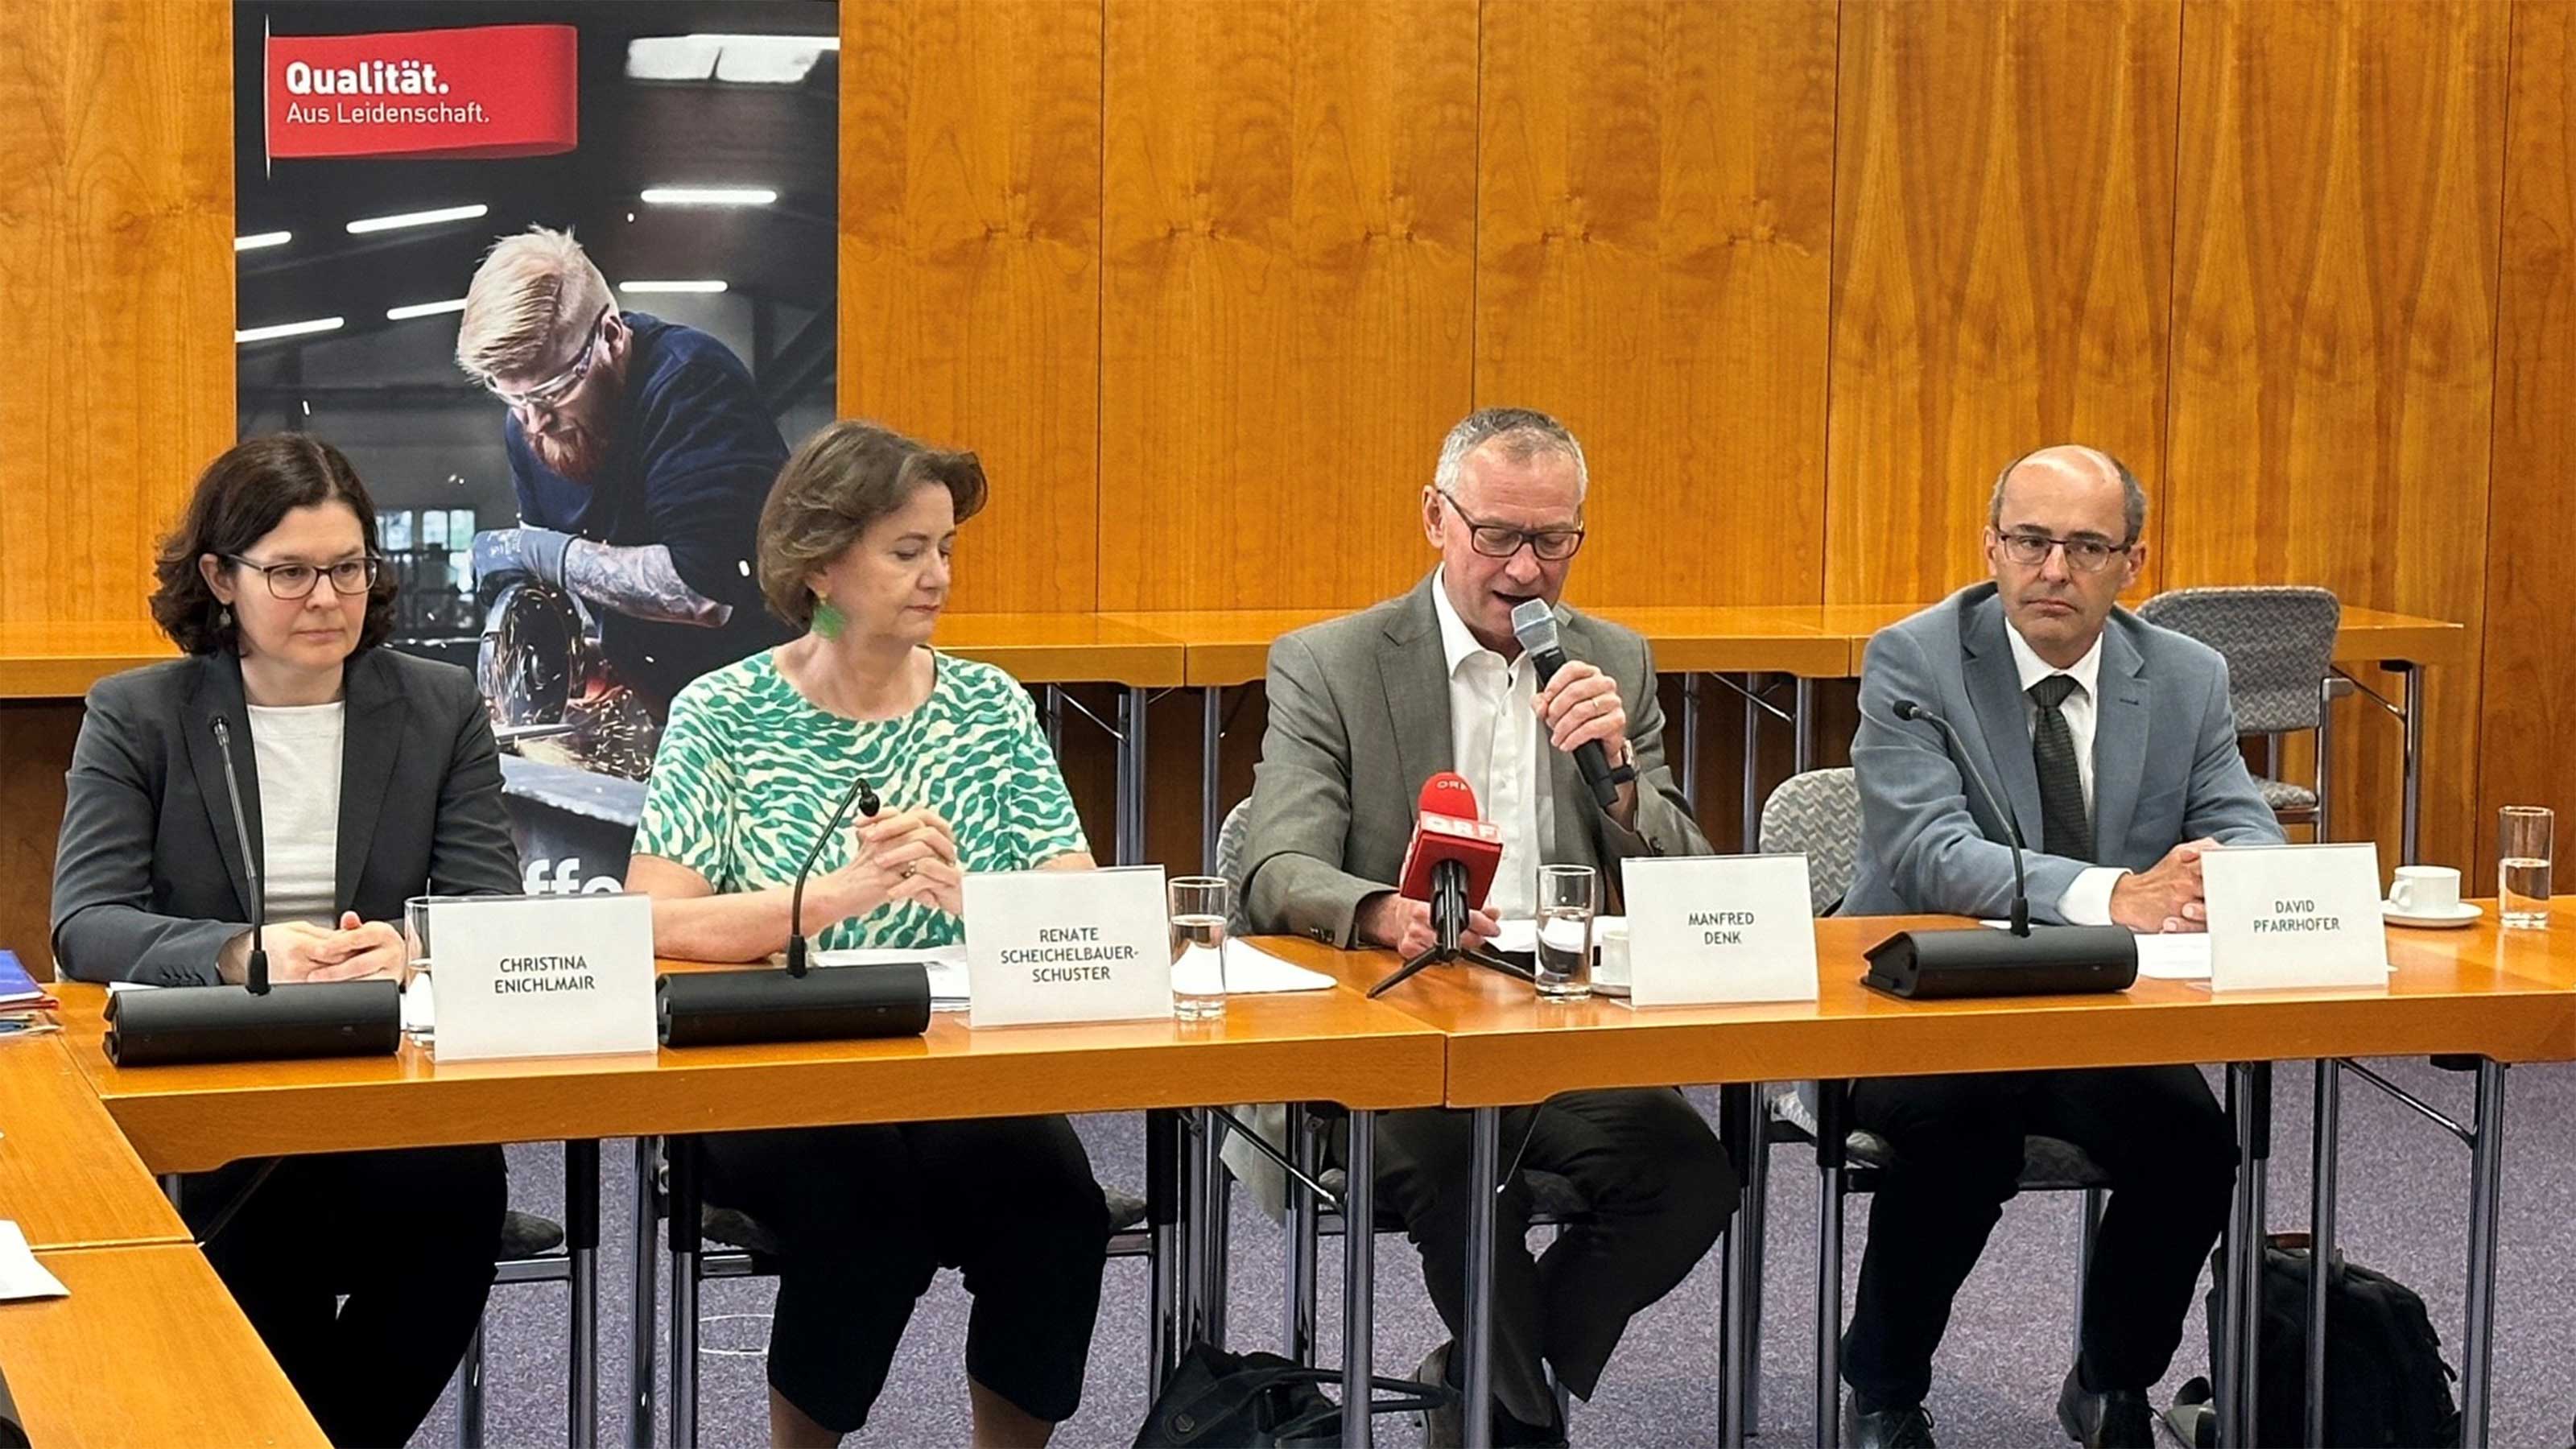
(2088, 901)
(1494, 738)
(298, 748)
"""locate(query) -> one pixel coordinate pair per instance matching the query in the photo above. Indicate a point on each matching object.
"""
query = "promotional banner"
(559, 279)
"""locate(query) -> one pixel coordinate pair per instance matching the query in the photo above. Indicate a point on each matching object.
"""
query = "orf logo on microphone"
(479, 92)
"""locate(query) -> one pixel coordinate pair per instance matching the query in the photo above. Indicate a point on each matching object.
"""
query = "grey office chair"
(2279, 645)
(1818, 813)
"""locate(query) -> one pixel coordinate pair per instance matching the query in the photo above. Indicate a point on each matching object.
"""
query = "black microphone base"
(716, 1008)
(1979, 961)
(228, 1024)
(1440, 955)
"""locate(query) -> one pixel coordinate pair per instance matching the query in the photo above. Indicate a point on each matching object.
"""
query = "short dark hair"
(240, 497)
(845, 477)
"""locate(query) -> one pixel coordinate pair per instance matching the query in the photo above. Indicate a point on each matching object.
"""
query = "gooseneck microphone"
(760, 1004)
(866, 797)
(1908, 710)
(250, 1022)
(256, 978)
(1534, 624)
(1975, 961)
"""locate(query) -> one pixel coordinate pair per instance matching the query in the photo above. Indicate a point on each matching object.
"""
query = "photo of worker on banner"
(559, 278)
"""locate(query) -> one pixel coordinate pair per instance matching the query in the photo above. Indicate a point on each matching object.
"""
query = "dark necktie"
(2066, 828)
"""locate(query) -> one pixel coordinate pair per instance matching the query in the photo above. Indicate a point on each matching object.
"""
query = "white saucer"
(2459, 915)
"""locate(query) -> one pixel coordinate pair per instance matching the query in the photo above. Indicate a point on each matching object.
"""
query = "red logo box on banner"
(488, 91)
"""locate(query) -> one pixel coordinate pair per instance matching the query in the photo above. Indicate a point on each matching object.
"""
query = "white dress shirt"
(2088, 901)
(1494, 740)
(298, 748)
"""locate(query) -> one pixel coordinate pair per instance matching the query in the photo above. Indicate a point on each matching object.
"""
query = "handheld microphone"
(1908, 710)
(257, 976)
(1534, 624)
(251, 1023)
(1975, 961)
(718, 1008)
(1450, 864)
(861, 791)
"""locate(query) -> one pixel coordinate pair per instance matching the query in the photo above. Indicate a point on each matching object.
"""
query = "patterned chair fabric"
(1230, 838)
(2278, 642)
(1817, 813)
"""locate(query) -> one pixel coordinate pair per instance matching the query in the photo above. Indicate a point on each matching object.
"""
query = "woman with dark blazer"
(367, 777)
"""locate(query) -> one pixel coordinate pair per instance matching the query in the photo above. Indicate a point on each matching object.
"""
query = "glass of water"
(418, 1023)
(2523, 840)
(1566, 902)
(1199, 905)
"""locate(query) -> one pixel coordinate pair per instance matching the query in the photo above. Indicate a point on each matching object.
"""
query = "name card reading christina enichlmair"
(543, 973)
(1067, 945)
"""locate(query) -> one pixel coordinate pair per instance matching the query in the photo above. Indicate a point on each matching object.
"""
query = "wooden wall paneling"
(116, 291)
(1288, 255)
(2334, 312)
(2528, 702)
(2002, 267)
(1654, 226)
(970, 267)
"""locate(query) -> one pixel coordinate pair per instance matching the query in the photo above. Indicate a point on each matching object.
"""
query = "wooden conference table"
(1331, 1046)
(2500, 996)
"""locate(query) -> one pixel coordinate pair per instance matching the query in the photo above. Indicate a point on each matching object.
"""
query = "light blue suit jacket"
(2165, 763)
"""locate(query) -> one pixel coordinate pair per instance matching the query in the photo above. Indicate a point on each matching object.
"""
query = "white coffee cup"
(2425, 890)
(1610, 958)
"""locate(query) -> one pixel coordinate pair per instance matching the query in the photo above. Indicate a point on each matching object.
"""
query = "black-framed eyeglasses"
(550, 394)
(291, 581)
(1494, 540)
(2084, 555)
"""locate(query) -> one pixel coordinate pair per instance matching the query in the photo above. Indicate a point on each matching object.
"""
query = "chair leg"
(2088, 1228)
(469, 1393)
(1298, 1332)
(648, 1221)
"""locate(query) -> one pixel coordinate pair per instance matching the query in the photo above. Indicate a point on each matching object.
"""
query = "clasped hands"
(909, 855)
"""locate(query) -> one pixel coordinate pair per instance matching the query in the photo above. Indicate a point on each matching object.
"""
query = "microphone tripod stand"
(1449, 920)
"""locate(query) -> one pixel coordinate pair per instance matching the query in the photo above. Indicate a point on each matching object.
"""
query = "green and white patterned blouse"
(749, 770)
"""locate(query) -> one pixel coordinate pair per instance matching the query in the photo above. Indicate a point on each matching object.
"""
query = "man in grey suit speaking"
(2116, 751)
(1363, 710)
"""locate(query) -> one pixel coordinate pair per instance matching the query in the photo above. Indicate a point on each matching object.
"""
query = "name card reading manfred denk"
(1724, 928)
(1068, 945)
(543, 976)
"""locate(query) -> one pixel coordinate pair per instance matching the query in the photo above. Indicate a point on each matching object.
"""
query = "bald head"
(2072, 466)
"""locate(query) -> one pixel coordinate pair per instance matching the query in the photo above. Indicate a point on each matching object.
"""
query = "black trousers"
(2156, 1131)
(1661, 1190)
(407, 1236)
(866, 1217)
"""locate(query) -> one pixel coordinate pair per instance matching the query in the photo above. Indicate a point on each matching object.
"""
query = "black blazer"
(148, 878)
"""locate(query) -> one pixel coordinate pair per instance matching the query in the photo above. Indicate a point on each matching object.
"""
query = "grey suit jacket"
(2165, 763)
(148, 876)
(1359, 719)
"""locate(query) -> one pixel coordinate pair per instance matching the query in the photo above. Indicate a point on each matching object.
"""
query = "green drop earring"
(829, 621)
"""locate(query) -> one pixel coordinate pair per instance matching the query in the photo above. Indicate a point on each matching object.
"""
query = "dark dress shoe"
(1444, 1425)
(2112, 1419)
(1907, 1426)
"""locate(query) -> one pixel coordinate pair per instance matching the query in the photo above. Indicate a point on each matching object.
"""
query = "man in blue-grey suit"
(2115, 749)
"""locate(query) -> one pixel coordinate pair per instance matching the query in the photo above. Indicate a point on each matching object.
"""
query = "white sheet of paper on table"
(21, 1276)
(1249, 971)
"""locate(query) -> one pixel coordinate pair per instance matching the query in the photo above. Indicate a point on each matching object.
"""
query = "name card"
(543, 976)
(1720, 928)
(1068, 945)
(2294, 915)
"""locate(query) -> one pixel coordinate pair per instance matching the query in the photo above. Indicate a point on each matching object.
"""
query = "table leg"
(1131, 776)
(2486, 1187)
(1055, 720)
(581, 1250)
(2250, 1098)
(683, 1228)
(1802, 715)
(2411, 776)
(1832, 1138)
(469, 1393)
(1359, 1280)
(1484, 1171)
(1297, 1333)
(1740, 1123)
(639, 1383)
(1211, 758)
(1690, 742)
(2322, 1155)
(1752, 811)
(1166, 1253)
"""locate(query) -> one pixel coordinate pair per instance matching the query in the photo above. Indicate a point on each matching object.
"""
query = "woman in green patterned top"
(854, 546)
